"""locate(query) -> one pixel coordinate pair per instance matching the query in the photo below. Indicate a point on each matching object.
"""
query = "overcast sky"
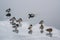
(48, 10)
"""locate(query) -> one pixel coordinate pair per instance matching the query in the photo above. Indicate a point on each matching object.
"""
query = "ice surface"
(6, 32)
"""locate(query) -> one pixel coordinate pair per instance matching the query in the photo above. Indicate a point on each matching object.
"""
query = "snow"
(6, 32)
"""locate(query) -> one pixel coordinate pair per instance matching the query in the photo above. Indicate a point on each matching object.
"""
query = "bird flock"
(16, 24)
